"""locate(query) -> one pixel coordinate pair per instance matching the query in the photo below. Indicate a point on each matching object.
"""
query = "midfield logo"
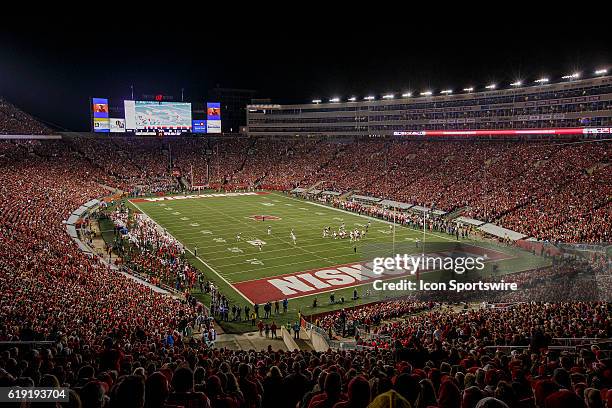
(265, 218)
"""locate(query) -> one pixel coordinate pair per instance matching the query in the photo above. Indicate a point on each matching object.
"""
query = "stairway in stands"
(304, 345)
(315, 185)
(456, 213)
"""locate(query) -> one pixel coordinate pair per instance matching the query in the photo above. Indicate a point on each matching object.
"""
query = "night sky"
(51, 74)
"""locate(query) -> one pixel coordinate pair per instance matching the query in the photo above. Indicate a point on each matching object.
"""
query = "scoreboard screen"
(99, 113)
(155, 117)
(213, 116)
(150, 116)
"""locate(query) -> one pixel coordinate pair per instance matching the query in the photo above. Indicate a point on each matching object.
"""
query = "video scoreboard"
(154, 117)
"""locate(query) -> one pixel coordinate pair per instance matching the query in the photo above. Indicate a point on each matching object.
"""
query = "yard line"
(197, 257)
(272, 259)
(365, 216)
(287, 242)
(268, 250)
(289, 264)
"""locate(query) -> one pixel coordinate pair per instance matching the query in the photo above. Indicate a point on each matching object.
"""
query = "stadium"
(433, 247)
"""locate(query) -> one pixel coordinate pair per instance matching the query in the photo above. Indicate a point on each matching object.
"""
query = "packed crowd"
(117, 343)
(521, 324)
(146, 248)
(50, 289)
(408, 219)
(564, 187)
(566, 280)
(439, 359)
(345, 322)
(15, 121)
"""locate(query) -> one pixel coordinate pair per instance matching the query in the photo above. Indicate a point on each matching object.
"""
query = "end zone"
(192, 196)
(329, 279)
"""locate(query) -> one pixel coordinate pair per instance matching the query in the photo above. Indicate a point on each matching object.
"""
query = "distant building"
(233, 106)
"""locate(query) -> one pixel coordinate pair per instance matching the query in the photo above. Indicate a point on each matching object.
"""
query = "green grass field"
(242, 271)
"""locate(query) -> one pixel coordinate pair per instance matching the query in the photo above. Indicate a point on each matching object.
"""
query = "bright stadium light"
(352, 99)
(335, 99)
(447, 91)
(517, 83)
(388, 96)
(491, 86)
(369, 98)
(601, 72)
(426, 93)
(316, 101)
(468, 89)
(575, 75)
(406, 94)
(541, 81)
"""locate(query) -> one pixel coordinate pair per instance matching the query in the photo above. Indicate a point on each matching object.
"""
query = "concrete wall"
(288, 339)
(319, 343)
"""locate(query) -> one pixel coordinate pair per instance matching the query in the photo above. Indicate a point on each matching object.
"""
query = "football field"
(243, 242)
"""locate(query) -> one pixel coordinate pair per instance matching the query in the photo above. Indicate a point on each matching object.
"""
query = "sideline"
(191, 252)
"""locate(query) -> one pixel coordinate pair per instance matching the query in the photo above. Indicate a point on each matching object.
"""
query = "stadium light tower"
(352, 99)
(317, 101)
(491, 86)
(468, 89)
(541, 80)
(334, 100)
(569, 77)
(426, 93)
(369, 98)
(517, 83)
(601, 72)
(406, 94)
(388, 96)
(447, 91)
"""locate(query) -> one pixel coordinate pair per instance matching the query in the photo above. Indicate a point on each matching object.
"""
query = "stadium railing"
(580, 341)
(330, 343)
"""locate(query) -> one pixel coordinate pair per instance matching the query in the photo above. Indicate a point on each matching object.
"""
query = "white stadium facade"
(566, 106)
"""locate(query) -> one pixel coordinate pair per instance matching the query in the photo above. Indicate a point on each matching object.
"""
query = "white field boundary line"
(363, 216)
(318, 205)
(284, 249)
(197, 257)
(222, 247)
(280, 266)
(306, 261)
(488, 261)
(348, 245)
(358, 285)
(316, 237)
(189, 231)
(470, 242)
(286, 242)
(404, 229)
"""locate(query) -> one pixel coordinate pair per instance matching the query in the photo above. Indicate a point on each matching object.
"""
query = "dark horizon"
(52, 76)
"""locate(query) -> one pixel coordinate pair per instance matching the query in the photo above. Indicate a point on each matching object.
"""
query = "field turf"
(243, 272)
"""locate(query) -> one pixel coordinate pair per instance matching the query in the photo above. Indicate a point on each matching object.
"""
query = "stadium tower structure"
(576, 104)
